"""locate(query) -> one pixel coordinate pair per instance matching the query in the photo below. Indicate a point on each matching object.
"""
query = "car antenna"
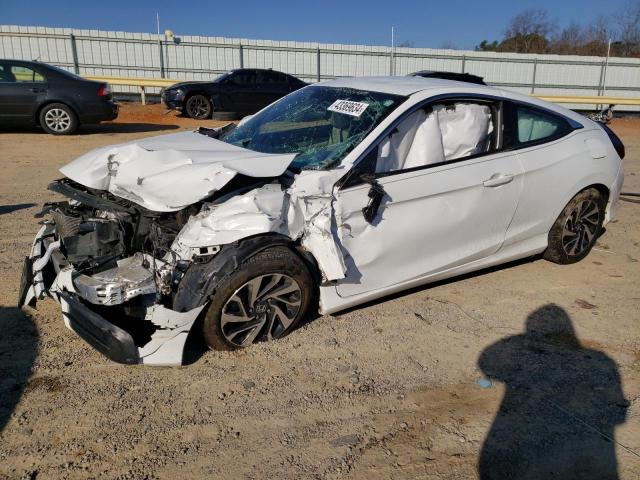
(37, 59)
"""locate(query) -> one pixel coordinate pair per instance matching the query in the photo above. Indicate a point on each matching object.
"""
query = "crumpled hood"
(170, 172)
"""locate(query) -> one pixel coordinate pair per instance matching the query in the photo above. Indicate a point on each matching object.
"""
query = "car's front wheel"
(576, 230)
(58, 119)
(199, 107)
(264, 299)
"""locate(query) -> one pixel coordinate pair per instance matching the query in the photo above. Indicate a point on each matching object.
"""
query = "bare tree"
(532, 31)
(628, 22)
(597, 35)
(529, 31)
(569, 41)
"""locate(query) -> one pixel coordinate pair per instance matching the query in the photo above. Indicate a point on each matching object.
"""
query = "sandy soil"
(393, 389)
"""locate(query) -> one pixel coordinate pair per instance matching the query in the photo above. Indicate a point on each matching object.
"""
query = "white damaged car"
(337, 194)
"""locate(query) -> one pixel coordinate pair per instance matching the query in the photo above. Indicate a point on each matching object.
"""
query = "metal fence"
(104, 53)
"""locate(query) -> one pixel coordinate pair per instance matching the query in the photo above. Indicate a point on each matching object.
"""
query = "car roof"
(15, 60)
(401, 85)
(257, 70)
(458, 76)
(407, 86)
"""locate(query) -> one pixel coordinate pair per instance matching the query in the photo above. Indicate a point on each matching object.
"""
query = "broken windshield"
(320, 124)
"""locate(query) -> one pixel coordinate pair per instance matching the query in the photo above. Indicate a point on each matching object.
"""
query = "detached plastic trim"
(110, 340)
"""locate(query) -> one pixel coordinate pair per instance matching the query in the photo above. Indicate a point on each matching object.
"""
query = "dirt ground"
(394, 389)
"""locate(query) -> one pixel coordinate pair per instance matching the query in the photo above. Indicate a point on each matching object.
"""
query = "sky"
(462, 24)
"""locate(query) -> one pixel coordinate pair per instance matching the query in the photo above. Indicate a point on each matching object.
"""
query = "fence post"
(464, 61)
(601, 82)
(533, 80)
(391, 62)
(241, 55)
(161, 58)
(318, 76)
(74, 53)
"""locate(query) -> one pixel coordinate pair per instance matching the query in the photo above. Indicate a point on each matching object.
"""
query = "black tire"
(198, 106)
(58, 119)
(224, 116)
(262, 268)
(576, 230)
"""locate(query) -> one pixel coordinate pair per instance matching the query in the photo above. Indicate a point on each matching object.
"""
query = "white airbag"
(445, 134)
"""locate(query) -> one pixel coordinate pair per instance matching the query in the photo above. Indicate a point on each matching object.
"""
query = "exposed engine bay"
(120, 251)
(112, 244)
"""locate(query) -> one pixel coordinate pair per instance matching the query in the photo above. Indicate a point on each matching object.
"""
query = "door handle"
(37, 90)
(498, 179)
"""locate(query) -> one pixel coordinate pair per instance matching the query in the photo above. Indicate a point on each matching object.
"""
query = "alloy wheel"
(580, 228)
(57, 119)
(198, 107)
(263, 308)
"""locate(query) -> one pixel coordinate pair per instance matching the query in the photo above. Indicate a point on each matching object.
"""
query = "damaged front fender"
(302, 212)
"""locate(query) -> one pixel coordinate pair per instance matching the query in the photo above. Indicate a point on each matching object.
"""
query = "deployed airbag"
(443, 134)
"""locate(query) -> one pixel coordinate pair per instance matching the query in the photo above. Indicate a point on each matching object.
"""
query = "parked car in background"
(34, 93)
(458, 77)
(335, 195)
(236, 93)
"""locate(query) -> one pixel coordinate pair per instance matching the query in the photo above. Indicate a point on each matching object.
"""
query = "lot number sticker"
(348, 107)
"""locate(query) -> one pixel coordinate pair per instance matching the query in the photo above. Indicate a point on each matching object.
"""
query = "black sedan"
(34, 93)
(236, 93)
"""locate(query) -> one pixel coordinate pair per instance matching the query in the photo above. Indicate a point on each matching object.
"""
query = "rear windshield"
(64, 72)
(320, 124)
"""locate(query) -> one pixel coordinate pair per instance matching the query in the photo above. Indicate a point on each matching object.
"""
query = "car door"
(436, 212)
(551, 151)
(21, 90)
(241, 89)
(272, 86)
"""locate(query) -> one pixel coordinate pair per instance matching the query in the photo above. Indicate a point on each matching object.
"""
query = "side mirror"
(376, 194)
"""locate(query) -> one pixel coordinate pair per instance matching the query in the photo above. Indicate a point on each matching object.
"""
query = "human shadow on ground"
(18, 351)
(562, 403)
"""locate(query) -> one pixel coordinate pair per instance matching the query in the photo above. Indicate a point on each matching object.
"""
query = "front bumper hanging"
(96, 318)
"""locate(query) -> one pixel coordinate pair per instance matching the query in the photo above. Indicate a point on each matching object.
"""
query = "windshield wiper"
(216, 133)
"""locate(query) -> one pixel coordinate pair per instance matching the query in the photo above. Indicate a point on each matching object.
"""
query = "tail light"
(615, 140)
(104, 90)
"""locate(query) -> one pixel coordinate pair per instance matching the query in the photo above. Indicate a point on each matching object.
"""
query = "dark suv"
(236, 93)
(34, 93)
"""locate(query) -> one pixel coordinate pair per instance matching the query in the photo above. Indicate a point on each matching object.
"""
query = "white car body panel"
(433, 223)
(169, 172)
(430, 220)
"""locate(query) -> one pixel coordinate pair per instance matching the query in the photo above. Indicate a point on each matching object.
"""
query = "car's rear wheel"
(576, 230)
(58, 119)
(199, 107)
(264, 299)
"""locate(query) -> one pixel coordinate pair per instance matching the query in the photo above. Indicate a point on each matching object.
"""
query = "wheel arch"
(603, 189)
(200, 280)
(199, 91)
(41, 107)
(596, 183)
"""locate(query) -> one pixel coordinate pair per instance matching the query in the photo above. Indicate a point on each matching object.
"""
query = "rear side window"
(271, 77)
(526, 125)
(25, 74)
(244, 77)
